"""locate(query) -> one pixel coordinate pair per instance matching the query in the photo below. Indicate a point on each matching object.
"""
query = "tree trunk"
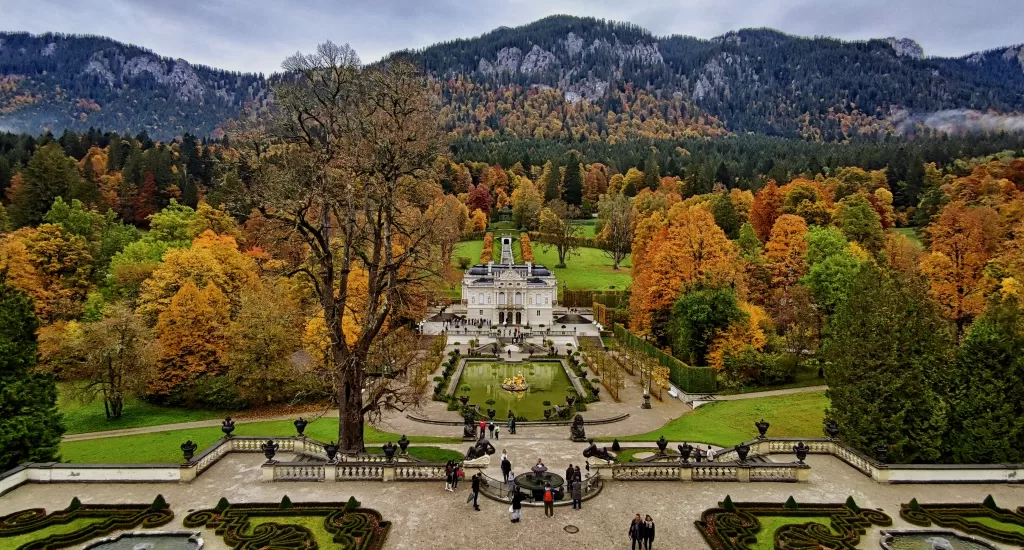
(350, 408)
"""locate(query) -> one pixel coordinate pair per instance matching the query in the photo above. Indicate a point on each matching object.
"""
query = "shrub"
(490, 401)
(438, 379)
(526, 247)
(464, 262)
(487, 253)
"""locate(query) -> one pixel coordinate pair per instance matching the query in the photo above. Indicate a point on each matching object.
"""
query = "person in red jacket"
(549, 501)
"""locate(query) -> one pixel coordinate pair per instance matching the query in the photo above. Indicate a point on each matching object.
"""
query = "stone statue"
(480, 448)
(577, 433)
(602, 453)
(539, 470)
(469, 425)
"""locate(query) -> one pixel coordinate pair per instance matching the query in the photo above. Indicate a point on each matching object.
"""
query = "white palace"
(508, 293)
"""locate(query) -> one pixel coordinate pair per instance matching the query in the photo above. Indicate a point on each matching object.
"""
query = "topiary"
(286, 503)
(790, 504)
(158, 503)
(615, 445)
(222, 505)
(728, 505)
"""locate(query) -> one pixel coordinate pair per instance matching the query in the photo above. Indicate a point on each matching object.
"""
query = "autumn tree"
(860, 223)
(725, 215)
(831, 267)
(30, 425)
(886, 350)
(561, 229)
(480, 199)
(351, 182)
(550, 182)
(699, 314)
(526, 205)
(195, 334)
(955, 263)
(767, 208)
(595, 183)
(615, 213)
(633, 182)
(786, 249)
(115, 359)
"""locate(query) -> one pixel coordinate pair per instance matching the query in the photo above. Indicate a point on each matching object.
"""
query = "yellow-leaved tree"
(195, 335)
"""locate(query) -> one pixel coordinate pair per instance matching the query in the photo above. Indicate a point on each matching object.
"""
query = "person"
(483, 428)
(490, 429)
(497, 430)
(476, 492)
(570, 474)
(506, 469)
(504, 455)
(711, 454)
(576, 489)
(509, 354)
(517, 505)
(512, 426)
(634, 533)
(449, 473)
(648, 531)
(459, 474)
(579, 475)
(549, 501)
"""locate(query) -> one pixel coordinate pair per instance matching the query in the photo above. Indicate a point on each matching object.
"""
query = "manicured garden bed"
(986, 520)
(34, 529)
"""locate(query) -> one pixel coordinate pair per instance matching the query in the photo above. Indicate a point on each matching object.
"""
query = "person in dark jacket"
(579, 475)
(512, 426)
(476, 492)
(570, 474)
(648, 531)
(576, 491)
(635, 535)
(506, 469)
(449, 474)
(517, 505)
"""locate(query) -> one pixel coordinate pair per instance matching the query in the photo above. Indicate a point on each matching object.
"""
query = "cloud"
(256, 35)
(954, 121)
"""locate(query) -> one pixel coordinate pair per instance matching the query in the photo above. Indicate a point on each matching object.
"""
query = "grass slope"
(84, 418)
(728, 423)
(911, 234)
(164, 446)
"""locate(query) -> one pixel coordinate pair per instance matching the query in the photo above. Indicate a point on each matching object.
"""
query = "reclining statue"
(602, 453)
(480, 448)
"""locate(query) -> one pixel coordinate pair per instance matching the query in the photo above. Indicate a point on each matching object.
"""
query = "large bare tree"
(615, 210)
(561, 229)
(345, 161)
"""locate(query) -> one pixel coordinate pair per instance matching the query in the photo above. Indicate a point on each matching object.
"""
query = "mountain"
(558, 78)
(56, 81)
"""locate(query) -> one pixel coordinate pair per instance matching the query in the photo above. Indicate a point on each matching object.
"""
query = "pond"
(547, 381)
(152, 540)
(931, 540)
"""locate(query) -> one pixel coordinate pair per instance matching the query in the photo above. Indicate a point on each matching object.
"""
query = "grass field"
(589, 228)
(164, 447)
(83, 418)
(911, 234)
(727, 423)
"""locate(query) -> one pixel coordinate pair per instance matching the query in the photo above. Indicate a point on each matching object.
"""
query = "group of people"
(641, 532)
(493, 429)
(574, 483)
(452, 473)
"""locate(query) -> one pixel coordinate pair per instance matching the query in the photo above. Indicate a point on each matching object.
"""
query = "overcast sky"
(256, 35)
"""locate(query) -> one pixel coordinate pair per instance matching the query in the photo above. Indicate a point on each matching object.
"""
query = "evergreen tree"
(723, 176)
(886, 349)
(550, 181)
(697, 317)
(652, 173)
(30, 426)
(50, 174)
(725, 215)
(572, 184)
(986, 395)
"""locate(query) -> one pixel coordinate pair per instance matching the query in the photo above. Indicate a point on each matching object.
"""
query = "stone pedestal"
(743, 474)
(268, 471)
(188, 472)
(389, 472)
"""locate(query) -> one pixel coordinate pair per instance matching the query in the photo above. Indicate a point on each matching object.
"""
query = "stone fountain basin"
(150, 540)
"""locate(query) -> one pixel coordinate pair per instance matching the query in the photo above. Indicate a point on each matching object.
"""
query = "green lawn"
(164, 446)
(727, 423)
(49, 531)
(770, 524)
(911, 234)
(83, 418)
(589, 228)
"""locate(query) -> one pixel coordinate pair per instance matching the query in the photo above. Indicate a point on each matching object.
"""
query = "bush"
(547, 403)
(464, 262)
(490, 401)
(214, 392)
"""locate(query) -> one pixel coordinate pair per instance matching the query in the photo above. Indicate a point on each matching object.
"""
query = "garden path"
(769, 393)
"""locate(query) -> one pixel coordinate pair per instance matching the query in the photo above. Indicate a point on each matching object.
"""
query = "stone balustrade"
(297, 471)
(419, 472)
(362, 471)
(708, 471)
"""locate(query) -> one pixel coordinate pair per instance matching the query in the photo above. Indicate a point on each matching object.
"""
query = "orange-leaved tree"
(786, 250)
(195, 336)
(765, 209)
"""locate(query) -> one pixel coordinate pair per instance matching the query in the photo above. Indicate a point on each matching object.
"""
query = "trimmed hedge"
(488, 251)
(734, 525)
(687, 378)
(526, 247)
(959, 517)
(113, 517)
(351, 527)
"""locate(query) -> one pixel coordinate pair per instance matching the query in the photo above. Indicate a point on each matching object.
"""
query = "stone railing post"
(188, 472)
(685, 472)
(389, 472)
(803, 474)
(331, 472)
(743, 473)
(268, 471)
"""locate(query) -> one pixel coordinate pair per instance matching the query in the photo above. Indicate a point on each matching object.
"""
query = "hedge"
(527, 249)
(687, 378)
(965, 518)
(488, 251)
(112, 517)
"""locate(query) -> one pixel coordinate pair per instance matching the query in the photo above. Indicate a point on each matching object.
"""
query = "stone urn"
(742, 450)
(270, 449)
(684, 451)
(332, 451)
(491, 413)
(464, 399)
(300, 425)
(800, 449)
(881, 453)
(188, 450)
(547, 414)
(389, 450)
(227, 426)
(662, 444)
(403, 444)
(832, 429)
(762, 428)
(569, 400)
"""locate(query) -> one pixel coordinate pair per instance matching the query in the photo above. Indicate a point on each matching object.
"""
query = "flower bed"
(34, 529)
(737, 526)
(984, 520)
(296, 526)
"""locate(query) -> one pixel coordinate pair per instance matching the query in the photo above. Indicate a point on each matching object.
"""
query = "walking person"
(635, 535)
(512, 426)
(576, 489)
(497, 430)
(711, 454)
(506, 469)
(449, 474)
(483, 428)
(476, 492)
(549, 501)
(517, 505)
(648, 531)
(569, 474)
(459, 474)
(490, 429)
(579, 475)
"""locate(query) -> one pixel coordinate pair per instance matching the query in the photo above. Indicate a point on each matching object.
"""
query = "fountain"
(539, 477)
(915, 539)
(517, 383)
(150, 540)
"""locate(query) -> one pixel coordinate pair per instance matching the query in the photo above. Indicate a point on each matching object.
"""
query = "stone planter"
(188, 450)
(227, 426)
(300, 425)
(662, 444)
(270, 449)
(762, 428)
(403, 444)
(742, 450)
(684, 451)
(832, 429)
(800, 449)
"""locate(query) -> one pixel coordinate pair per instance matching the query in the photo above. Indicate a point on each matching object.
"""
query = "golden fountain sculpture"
(517, 383)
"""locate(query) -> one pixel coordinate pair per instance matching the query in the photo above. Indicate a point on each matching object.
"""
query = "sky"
(256, 35)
